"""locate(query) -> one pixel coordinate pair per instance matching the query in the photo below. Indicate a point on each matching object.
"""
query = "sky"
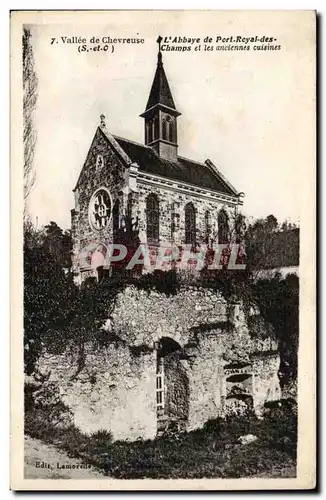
(250, 112)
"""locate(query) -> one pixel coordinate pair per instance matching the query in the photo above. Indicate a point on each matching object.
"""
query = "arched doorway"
(172, 386)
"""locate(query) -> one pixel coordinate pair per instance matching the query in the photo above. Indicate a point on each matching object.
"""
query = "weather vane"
(159, 42)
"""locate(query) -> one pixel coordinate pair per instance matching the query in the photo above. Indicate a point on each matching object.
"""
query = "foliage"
(278, 300)
(56, 311)
(59, 244)
(279, 427)
(269, 246)
(167, 282)
(231, 283)
(213, 451)
(45, 297)
(43, 405)
(140, 350)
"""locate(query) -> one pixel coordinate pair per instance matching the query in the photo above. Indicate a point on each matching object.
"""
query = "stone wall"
(266, 385)
(206, 376)
(143, 317)
(115, 386)
(110, 392)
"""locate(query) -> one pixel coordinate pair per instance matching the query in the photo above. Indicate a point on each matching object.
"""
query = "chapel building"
(149, 190)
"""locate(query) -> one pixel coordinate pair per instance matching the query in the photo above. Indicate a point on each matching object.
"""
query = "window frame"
(160, 396)
(153, 218)
(223, 227)
(91, 209)
(190, 224)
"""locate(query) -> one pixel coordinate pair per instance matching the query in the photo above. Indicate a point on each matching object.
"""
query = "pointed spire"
(160, 92)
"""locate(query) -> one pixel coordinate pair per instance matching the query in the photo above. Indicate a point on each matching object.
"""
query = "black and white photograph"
(163, 171)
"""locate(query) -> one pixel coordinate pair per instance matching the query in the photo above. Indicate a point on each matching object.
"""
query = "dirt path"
(43, 461)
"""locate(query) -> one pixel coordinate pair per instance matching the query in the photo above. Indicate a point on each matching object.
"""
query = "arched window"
(169, 130)
(190, 224)
(116, 218)
(147, 132)
(152, 218)
(150, 131)
(240, 227)
(207, 226)
(156, 127)
(164, 130)
(223, 227)
(173, 220)
(129, 206)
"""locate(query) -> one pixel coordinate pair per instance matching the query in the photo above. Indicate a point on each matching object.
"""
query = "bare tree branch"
(30, 85)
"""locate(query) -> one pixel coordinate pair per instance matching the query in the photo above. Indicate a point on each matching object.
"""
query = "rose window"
(100, 209)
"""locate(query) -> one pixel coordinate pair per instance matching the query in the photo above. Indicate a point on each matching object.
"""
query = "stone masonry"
(217, 368)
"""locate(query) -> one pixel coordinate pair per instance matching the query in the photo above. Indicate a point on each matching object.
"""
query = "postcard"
(163, 230)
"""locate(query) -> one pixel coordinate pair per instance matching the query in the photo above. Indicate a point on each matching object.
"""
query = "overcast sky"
(251, 113)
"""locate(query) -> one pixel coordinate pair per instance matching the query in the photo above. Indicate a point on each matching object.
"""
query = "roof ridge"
(183, 169)
(221, 176)
(133, 142)
(193, 161)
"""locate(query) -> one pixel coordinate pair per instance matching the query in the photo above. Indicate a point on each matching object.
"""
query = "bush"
(167, 282)
(44, 411)
(279, 427)
(102, 436)
(213, 451)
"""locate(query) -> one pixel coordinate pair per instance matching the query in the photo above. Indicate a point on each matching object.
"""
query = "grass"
(211, 452)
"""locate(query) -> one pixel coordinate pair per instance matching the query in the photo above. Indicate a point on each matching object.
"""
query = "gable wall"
(112, 176)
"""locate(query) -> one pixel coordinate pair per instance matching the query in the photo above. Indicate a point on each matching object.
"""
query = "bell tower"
(161, 115)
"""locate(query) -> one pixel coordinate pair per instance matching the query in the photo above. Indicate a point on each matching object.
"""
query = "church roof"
(183, 170)
(160, 92)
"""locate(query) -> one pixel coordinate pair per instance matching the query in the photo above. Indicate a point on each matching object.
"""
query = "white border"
(4, 198)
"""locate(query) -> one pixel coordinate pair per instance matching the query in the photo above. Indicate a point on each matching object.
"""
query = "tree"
(86, 311)
(46, 293)
(261, 245)
(30, 85)
(278, 300)
(57, 313)
(59, 244)
(271, 223)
